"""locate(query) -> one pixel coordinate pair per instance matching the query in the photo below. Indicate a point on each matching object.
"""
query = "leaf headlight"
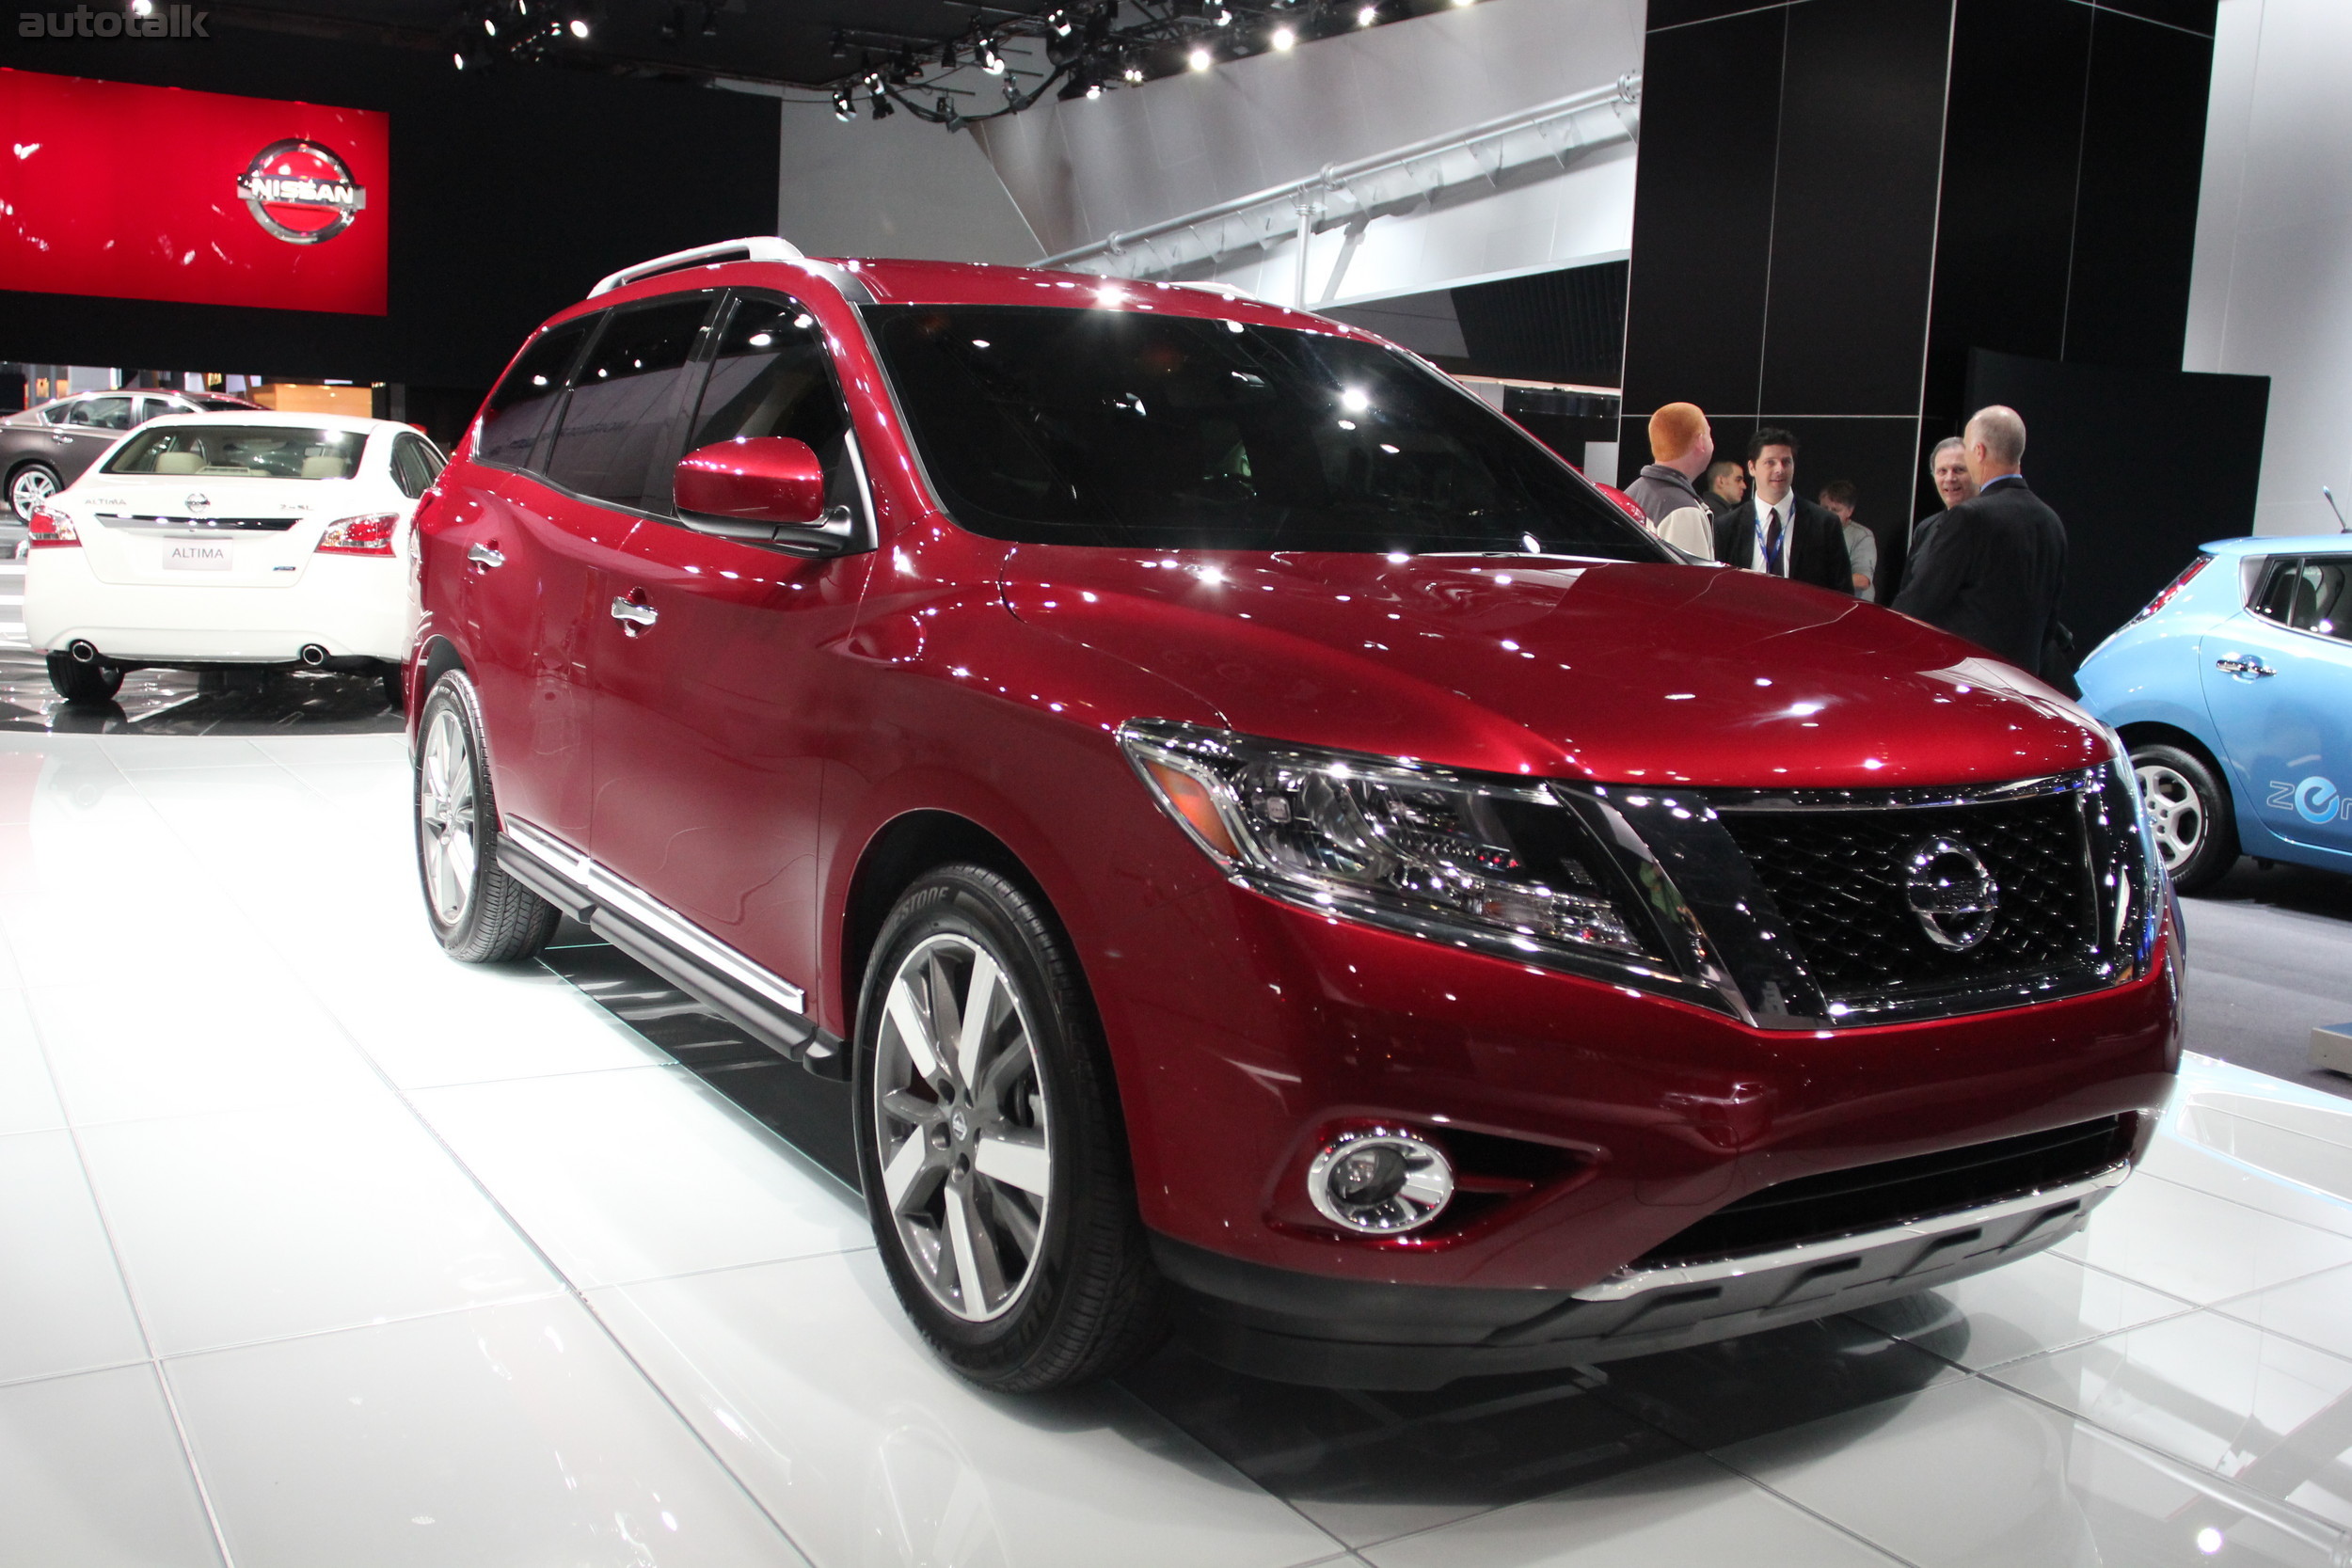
(1389, 841)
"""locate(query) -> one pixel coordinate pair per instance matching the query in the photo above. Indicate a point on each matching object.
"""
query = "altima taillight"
(370, 535)
(52, 530)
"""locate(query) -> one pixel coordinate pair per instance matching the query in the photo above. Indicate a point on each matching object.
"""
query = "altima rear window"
(1121, 427)
(240, 452)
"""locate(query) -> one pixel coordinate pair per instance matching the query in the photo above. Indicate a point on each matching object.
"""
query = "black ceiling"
(791, 42)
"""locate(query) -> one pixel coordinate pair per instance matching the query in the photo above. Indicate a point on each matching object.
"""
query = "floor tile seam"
(2256, 1208)
(2188, 1310)
(2281, 1127)
(746, 1264)
(570, 1285)
(2139, 1283)
(536, 1077)
(2294, 1339)
(677, 1412)
(65, 1373)
(1134, 1400)
(2239, 1493)
(2241, 1296)
(555, 1289)
(131, 1298)
(295, 1103)
(1828, 1521)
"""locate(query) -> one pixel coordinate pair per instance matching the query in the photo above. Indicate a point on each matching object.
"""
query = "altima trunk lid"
(197, 533)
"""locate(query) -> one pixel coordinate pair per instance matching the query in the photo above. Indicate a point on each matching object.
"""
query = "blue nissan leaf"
(2234, 691)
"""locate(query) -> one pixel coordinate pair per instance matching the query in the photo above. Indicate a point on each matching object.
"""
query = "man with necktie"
(1999, 562)
(1778, 531)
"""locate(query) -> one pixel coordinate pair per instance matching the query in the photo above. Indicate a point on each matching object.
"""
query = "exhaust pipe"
(313, 655)
(82, 651)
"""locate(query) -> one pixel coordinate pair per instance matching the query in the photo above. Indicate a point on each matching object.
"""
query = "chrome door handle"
(2252, 669)
(635, 614)
(483, 555)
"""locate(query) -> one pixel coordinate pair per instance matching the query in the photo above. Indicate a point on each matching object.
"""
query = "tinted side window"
(623, 397)
(2323, 598)
(512, 420)
(413, 465)
(772, 376)
(2274, 600)
(104, 413)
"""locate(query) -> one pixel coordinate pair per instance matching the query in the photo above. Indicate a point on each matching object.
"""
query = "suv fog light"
(1380, 1181)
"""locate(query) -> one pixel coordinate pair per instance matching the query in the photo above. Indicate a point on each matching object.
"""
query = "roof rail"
(756, 248)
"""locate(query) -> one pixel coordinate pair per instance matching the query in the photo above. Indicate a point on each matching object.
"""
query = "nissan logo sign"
(1950, 893)
(300, 192)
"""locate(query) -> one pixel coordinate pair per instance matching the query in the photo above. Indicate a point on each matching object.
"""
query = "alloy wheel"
(2175, 814)
(960, 1125)
(31, 487)
(445, 813)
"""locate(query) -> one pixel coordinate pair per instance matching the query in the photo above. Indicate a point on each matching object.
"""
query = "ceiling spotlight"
(710, 19)
(1459, 3)
(1131, 73)
(1282, 38)
(839, 47)
(673, 22)
(882, 104)
(1201, 59)
(948, 58)
(1366, 16)
(990, 61)
(844, 105)
(1061, 24)
(1224, 18)
(458, 58)
(1094, 90)
(490, 27)
(142, 8)
(579, 27)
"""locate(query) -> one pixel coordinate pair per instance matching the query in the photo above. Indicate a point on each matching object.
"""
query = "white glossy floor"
(318, 1251)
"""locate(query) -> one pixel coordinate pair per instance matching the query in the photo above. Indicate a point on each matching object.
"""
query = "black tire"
(1089, 1302)
(481, 914)
(2189, 807)
(24, 482)
(95, 681)
(395, 690)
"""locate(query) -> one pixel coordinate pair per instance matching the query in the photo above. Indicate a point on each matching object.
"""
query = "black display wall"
(2088, 455)
(512, 192)
(1838, 200)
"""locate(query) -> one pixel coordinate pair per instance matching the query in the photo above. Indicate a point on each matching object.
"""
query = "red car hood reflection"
(1549, 666)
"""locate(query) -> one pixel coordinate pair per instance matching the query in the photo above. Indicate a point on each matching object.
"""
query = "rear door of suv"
(591, 475)
(713, 718)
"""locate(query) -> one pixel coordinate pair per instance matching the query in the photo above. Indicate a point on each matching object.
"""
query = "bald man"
(1666, 490)
(1999, 559)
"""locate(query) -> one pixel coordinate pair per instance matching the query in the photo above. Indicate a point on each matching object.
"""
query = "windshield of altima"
(1124, 428)
(240, 452)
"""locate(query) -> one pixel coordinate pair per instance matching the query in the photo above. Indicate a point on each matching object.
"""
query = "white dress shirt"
(1760, 515)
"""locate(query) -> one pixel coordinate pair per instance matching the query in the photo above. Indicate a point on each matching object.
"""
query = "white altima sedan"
(237, 539)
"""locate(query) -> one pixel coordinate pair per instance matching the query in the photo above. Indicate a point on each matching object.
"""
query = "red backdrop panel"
(158, 193)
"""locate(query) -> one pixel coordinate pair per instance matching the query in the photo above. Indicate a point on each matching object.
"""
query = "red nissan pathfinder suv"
(1275, 853)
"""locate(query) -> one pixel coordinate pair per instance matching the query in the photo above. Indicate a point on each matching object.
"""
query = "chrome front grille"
(1839, 878)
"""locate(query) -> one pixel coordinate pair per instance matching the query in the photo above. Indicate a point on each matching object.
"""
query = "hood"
(1612, 672)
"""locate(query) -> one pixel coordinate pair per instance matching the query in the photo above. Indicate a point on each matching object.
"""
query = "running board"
(768, 1009)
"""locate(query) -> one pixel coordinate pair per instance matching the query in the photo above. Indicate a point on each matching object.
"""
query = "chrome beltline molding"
(611, 892)
(1634, 1282)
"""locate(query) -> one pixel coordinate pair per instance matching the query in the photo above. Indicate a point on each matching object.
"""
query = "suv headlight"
(1433, 850)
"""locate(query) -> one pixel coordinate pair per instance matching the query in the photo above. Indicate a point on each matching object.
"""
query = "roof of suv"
(907, 283)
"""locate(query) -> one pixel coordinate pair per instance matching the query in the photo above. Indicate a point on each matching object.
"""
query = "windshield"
(1117, 427)
(240, 452)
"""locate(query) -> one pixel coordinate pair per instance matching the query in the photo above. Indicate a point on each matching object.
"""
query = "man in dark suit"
(1779, 532)
(2000, 560)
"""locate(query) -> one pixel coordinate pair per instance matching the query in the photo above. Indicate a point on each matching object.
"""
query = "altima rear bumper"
(353, 608)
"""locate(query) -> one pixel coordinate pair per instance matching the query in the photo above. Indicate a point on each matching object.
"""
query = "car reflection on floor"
(173, 702)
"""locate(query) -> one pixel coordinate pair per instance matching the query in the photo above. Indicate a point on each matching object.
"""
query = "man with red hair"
(1680, 447)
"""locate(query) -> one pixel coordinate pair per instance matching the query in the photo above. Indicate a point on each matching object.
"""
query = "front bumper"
(1247, 1030)
(1304, 1328)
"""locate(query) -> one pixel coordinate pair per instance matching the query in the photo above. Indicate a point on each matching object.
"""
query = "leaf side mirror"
(764, 490)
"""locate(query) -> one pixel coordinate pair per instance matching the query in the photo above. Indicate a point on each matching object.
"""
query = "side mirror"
(764, 490)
